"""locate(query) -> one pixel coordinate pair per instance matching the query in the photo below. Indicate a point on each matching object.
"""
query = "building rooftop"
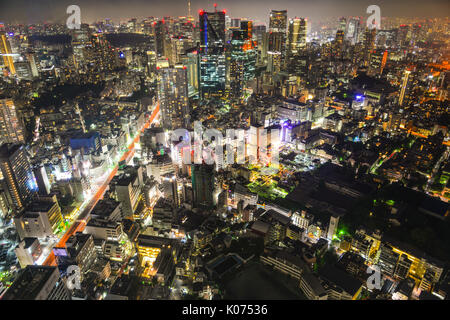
(29, 283)
(342, 279)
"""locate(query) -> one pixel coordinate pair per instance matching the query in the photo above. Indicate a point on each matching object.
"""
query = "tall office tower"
(11, 129)
(262, 40)
(42, 180)
(33, 66)
(170, 187)
(404, 88)
(297, 34)
(332, 227)
(38, 283)
(377, 62)
(297, 43)
(369, 44)
(161, 44)
(179, 45)
(242, 58)
(18, 175)
(353, 30)
(173, 97)
(80, 40)
(212, 31)
(403, 39)
(278, 21)
(191, 61)
(151, 63)
(128, 189)
(277, 40)
(5, 50)
(417, 34)
(342, 24)
(203, 185)
(236, 64)
(338, 42)
(212, 53)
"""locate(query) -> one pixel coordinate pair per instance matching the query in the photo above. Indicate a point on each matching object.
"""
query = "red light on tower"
(224, 11)
(201, 12)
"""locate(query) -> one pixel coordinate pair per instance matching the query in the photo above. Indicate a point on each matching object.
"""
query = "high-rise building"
(11, 129)
(212, 30)
(17, 174)
(369, 44)
(203, 185)
(42, 180)
(161, 43)
(377, 62)
(277, 40)
(40, 219)
(297, 43)
(128, 189)
(353, 30)
(242, 58)
(5, 50)
(403, 36)
(404, 87)
(191, 61)
(278, 21)
(212, 53)
(297, 35)
(332, 227)
(38, 283)
(173, 97)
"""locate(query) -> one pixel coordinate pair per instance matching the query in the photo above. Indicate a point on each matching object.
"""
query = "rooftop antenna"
(215, 7)
(189, 8)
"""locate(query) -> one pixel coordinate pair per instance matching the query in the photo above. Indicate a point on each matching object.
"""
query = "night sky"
(32, 11)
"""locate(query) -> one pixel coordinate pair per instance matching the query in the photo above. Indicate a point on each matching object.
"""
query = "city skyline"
(28, 11)
(212, 157)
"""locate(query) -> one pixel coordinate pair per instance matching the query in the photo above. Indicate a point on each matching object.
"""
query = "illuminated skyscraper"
(404, 87)
(297, 43)
(242, 58)
(212, 53)
(377, 62)
(191, 61)
(161, 43)
(173, 97)
(212, 30)
(80, 39)
(353, 30)
(10, 127)
(5, 50)
(277, 39)
(278, 21)
(236, 64)
(403, 36)
(369, 44)
(17, 174)
(297, 35)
